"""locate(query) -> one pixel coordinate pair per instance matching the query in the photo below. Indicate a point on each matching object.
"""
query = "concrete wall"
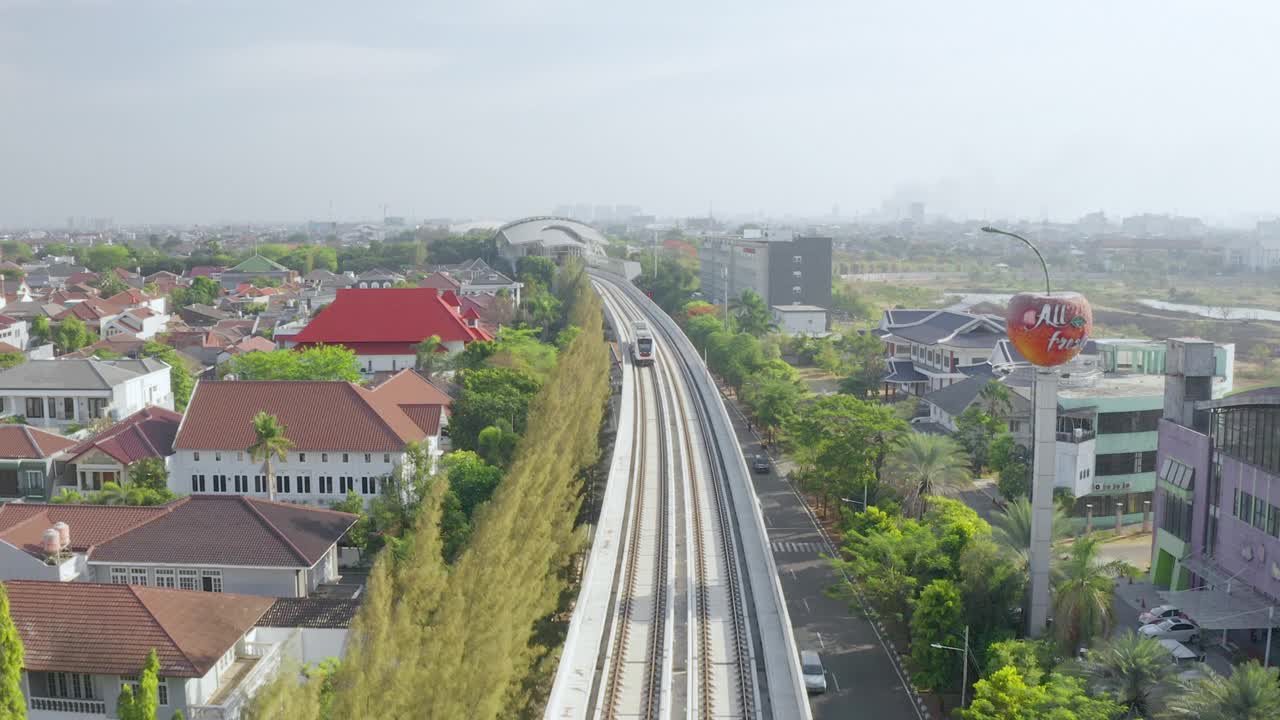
(1072, 459)
(17, 564)
(814, 268)
(1235, 536)
(317, 643)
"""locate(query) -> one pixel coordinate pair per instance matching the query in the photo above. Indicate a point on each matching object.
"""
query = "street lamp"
(863, 502)
(964, 651)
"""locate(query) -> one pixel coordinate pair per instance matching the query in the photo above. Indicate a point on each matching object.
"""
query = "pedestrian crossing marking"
(786, 546)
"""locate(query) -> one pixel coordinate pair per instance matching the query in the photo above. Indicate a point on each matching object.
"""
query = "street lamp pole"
(964, 657)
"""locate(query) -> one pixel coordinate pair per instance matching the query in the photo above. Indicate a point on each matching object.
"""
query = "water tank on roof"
(64, 533)
(51, 543)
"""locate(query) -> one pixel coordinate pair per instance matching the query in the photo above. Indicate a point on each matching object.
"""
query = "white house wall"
(182, 465)
(17, 564)
(269, 582)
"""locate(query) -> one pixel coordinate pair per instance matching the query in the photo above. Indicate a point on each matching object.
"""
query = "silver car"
(815, 677)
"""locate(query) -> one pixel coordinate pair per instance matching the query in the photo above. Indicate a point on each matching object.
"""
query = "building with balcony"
(85, 641)
(927, 350)
(77, 391)
(1216, 546)
(27, 460)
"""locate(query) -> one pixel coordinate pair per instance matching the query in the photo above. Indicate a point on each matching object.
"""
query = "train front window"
(645, 345)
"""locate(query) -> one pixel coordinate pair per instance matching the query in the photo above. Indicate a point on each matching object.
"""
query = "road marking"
(790, 546)
(821, 642)
(807, 611)
(835, 681)
(793, 575)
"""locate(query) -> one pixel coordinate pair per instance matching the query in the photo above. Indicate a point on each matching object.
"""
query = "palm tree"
(1011, 529)
(995, 395)
(928, 465)
(1251, 692)
(270, 442)
(429, 357)
(1083, 593)
(751, 314)
(1133, 669)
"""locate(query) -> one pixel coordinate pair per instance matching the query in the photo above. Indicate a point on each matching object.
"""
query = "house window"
(219, 483)
(366, 486)
(241, 483)
(32, 480)
(138, 576)
(97, 407)
(302, 457)
(259, 483)
(324, 457)
(196, 456)
(211, 580)
(69, 408)
(797, 259)
(344, 484)
(239, 457)
(35, 407)
(72, 686)
(166, 578)
(326, 485)
(304, 483)
(119, 576)
(217, 457)
(386, 457)
(162, 688)
(188, 579)
(368, 457)
(197, 483)
(346, 457)
(282, 483)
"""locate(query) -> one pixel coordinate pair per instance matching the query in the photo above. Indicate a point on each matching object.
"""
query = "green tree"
(13, 705)
(864, 359)
(1011, 528)
(471, 479)
(490, 395)
(11, 359)
(1012, 463)
(102, 258)
(840, 445)
(109, 284)
(202, 291)
(269, 441)
(149, 473)
(1250, 692)
(181, 380)
(147, 699)
(521, 349)
(1082, 594)
(321, 362)
(358, 535)
(975, 430)
(1005, 695)
(40, 330)
(996, 399)
(71, 335)
(927, 465)
(126, 705)
(673, 286)
(1131, 668)
(15, 251)
(751, 314)
(536, 269)
(497, 443)
(773, 394)
(430, 357)
(938, 618)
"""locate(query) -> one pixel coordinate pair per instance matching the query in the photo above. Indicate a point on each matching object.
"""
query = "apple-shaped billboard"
(1049, 329)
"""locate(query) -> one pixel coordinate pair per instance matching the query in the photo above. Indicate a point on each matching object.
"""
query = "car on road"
(1180, 629)
(815, 676)
(760, 463)
(1158, 613)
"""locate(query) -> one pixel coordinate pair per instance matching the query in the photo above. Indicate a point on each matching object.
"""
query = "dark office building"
(785, 269)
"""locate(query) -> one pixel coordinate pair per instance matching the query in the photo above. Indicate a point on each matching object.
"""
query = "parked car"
(815, 676)
(1189, 663)
(760, 463)
(1180, 629)
(1158, 613)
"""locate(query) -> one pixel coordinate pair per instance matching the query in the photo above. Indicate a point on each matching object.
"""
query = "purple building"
(1216, 547)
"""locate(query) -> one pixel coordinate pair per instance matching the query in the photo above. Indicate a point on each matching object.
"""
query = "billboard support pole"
(1046, 415)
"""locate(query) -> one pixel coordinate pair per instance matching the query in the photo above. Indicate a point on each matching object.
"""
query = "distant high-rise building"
(784, 269)
(917, 213)
(602, 213)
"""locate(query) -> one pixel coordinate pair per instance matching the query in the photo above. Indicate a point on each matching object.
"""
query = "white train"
(641, 344)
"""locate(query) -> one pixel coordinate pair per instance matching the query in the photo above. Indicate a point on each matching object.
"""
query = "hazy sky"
(209, 110)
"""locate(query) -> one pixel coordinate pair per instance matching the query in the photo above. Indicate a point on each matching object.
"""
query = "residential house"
(118, 344)
(346, 438)
(164, 281)
(84, 642)
(208, 543)
(198, 314)
(91, 311)
(927, 350)
(58, 393)
(378, 278)
(808, 320)
(140, 322)
(106, 456)
(254, 268)
(27, 460)
(321, 623)
(13, 332)
(1216, 547)
(136, 298)
(252, 343)
(440, 281)
(382, 326)
(476, 277)
(30, 310)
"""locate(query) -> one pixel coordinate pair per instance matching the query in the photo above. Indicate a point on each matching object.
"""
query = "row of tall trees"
(470, 639)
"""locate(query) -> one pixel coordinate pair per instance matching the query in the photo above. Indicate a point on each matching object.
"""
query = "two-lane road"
(862, 679)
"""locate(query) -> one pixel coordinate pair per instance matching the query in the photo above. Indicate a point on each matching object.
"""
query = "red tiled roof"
(426, 417)
(439, 281)
(205, 271)
(407, 396)
(316, 415)
(253, 343)
(233, 530)
(22, 524)
(383, 317)
(81, 277)
(132, 296)
(146, 433)
(110, 629)
(20, 441)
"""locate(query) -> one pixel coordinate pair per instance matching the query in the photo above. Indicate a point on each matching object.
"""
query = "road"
(862, 679)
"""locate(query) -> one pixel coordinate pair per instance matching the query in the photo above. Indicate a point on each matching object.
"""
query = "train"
(641, 344)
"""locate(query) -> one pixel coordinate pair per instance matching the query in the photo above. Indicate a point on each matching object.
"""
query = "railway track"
(635, 683)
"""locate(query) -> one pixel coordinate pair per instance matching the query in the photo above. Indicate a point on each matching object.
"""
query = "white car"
(815, 676)
(1158, 613)
(1180, 629)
